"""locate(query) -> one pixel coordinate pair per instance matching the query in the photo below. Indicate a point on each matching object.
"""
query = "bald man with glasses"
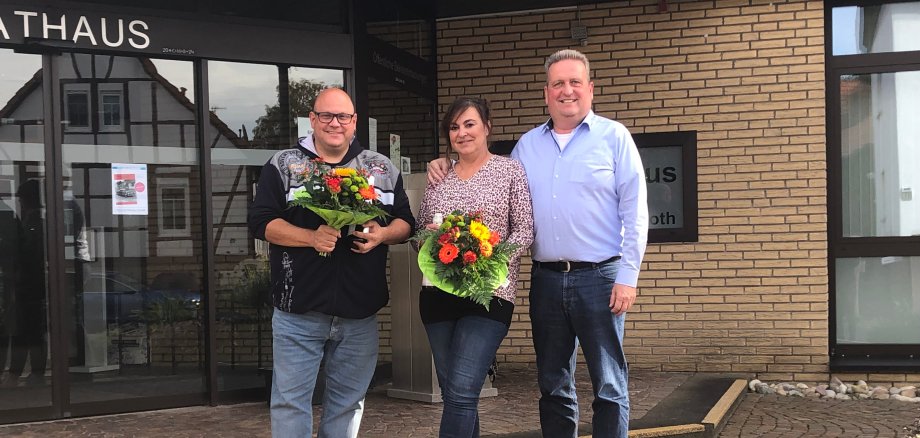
(325, 307)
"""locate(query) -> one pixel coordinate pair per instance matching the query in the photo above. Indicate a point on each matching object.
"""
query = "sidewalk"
(774, 416)
(512, 413)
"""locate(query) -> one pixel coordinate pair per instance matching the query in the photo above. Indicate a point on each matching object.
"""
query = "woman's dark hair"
(460, 105)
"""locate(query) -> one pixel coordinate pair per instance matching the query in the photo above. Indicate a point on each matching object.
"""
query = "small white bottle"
(437, 220)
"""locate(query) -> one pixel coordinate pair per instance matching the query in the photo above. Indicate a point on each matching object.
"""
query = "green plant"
(254, 293)
(255, 286)
(168, 311)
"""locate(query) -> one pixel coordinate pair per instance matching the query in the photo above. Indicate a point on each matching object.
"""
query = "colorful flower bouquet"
(341, 196)
(463, 257)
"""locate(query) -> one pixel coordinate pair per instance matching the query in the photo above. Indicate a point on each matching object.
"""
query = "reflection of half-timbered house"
(163, 307)
(123, 110)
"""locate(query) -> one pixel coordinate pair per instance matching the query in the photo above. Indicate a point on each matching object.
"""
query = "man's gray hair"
(568, 54)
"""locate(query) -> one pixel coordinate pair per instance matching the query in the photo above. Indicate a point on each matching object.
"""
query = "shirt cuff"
(627, 276)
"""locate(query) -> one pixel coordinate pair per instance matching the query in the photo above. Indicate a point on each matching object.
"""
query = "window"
(669, 159)
(111, 107)
(77, 108)
(876, 28)
(873, 207)
(110, 118)
(173, 207)
(173, 204)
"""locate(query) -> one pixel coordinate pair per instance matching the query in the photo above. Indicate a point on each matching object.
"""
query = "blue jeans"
(299, 344)
(568, 309)
(463, 350)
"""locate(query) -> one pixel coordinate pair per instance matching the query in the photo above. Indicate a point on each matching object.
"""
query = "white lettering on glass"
(121, 34)
(25, 21)
(131, 28)
(83, 30)
(46, 26)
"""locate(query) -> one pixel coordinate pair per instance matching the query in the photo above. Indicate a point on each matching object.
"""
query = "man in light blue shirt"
(588, 191)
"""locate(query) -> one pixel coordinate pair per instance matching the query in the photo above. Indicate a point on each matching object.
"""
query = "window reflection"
(878, 300)
(881, 189)
(24, 354)
(875, 29)
(267, 109)
(133, 303)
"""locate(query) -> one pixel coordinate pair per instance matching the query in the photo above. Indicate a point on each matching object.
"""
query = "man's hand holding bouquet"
(341, 196)
(464, 257)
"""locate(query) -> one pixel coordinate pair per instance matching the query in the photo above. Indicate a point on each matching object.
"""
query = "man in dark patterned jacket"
(326, 306)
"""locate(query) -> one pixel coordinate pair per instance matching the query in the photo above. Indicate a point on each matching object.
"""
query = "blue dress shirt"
(589, 199)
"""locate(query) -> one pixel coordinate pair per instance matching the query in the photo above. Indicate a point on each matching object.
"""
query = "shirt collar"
(589, 120)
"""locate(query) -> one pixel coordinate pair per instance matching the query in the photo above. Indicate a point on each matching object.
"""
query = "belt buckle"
(568, 266)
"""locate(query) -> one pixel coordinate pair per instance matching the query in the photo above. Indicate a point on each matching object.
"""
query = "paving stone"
(761, 415)
(514, 410)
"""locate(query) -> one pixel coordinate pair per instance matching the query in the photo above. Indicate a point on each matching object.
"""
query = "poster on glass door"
(129, 189)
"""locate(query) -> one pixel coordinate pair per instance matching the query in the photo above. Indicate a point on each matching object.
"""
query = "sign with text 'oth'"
(669, 160)
(663, 179)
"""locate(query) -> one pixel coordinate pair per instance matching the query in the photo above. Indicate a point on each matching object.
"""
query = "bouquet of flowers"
(464, 257)
(341, 196)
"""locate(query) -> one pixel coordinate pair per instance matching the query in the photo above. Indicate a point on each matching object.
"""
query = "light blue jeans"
(568, 309)
(299, 344)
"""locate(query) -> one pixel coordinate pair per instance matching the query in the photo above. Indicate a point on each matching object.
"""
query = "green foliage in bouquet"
(464, 257)
(341, 195)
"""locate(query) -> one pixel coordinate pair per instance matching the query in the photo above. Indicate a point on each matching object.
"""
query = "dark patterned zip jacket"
(344, 284)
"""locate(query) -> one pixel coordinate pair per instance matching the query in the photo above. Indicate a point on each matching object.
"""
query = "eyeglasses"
(343, 118)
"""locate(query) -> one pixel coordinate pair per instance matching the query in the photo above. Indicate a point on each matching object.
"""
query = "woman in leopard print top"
(464, 336)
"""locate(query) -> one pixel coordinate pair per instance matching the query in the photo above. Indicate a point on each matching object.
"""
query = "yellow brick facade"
(752, 295)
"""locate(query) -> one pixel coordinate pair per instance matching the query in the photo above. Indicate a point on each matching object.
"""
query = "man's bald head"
(333, 95)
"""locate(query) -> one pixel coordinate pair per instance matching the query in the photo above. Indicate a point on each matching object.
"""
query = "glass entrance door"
(132, 235)
(25, 371)
(100, 235)
(102, 249)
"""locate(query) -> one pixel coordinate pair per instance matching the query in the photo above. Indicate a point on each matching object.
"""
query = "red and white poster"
(129, 189)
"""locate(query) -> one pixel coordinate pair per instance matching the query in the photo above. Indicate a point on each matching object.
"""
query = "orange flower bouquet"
(464, 257)
(341, 196)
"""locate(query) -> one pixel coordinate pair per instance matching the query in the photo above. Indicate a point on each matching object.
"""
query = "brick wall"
(403, 113)
(752, 295)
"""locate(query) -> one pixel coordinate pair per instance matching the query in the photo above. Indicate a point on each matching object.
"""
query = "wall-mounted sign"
(394, 149)
(96, 31)
(669, 159)
(391, 64)
(372, 133)
(129, 189)
(43, 27)
(405, 165)
(664, 181)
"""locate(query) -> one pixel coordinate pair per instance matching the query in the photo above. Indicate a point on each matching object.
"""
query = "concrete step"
(699, 408)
